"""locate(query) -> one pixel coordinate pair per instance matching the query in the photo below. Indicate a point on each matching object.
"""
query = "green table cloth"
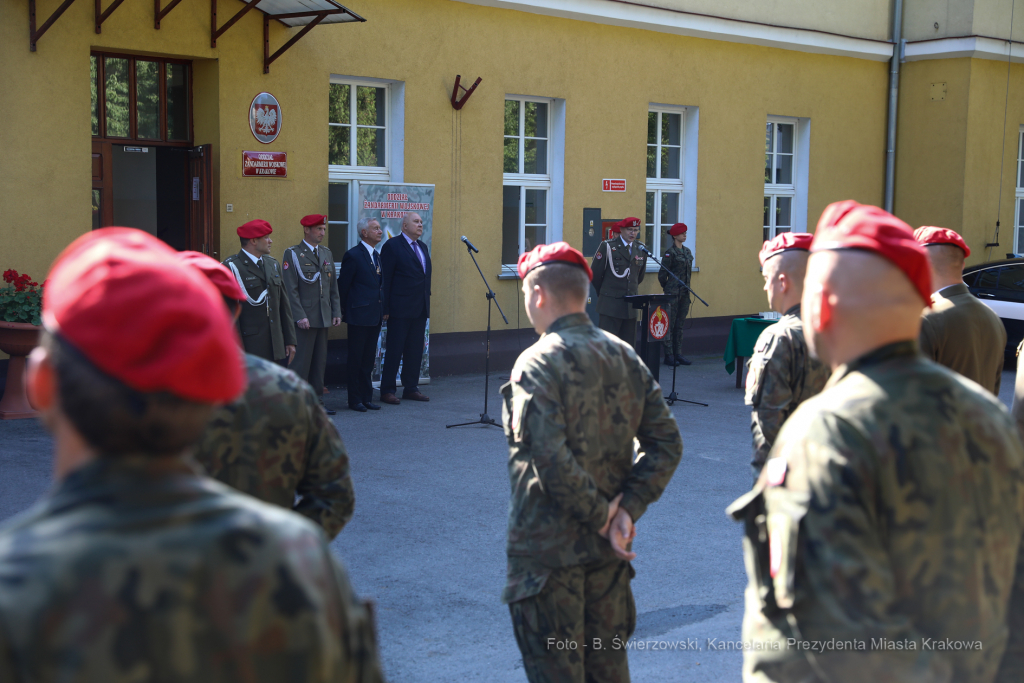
(742, 336)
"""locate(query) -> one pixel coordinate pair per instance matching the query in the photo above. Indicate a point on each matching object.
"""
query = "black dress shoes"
(328, 410)
(681, 361)
(358, 407)
(371, 406)
(670, 360)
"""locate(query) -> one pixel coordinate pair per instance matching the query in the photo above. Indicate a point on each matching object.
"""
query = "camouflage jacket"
(612, 281)
(888, 515)
(577, 399)
(965, 335)
(276, 443)
(678, 260)
(782, 374)
(139, 569)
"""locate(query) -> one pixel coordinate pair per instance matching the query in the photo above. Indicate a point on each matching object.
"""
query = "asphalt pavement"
(426, 543)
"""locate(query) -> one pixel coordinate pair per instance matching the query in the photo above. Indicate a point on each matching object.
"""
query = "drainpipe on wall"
(894, 91)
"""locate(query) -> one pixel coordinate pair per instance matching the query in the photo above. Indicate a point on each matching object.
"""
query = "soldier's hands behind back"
(613, 507)
(621, 534)
(303, 324)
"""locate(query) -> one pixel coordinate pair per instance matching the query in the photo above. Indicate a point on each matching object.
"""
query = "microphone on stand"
(643, 248)
(470, 244)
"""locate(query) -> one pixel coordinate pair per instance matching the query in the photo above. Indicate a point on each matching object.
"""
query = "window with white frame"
(1018, 220)
(780, 186)
(527, 177)
(666, 132)
(363, 143)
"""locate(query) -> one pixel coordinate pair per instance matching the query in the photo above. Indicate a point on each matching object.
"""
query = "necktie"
(259, 264)
(376, 261)
(316, 256)
(419, 255)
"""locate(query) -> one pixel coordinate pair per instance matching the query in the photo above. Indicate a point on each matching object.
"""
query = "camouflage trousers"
(677, 310)
(575, 630)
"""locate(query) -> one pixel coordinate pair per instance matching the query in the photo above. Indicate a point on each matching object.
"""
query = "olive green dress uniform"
(965, 335)
(577, 399)
(318, 301)
(888, 518)
(137, 568)
(781, 375)
(268, 327)
(276, 443)
(618, 271)
(677, 260)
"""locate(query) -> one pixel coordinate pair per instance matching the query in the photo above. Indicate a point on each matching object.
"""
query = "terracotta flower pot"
(17, 340)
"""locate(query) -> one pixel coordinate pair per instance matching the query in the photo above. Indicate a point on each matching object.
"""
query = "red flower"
(9, 275)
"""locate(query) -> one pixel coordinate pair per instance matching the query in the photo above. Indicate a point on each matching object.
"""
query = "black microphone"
(470, 244)
(643, 248)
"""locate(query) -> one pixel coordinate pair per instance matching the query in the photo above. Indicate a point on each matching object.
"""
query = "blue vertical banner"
(389, 203)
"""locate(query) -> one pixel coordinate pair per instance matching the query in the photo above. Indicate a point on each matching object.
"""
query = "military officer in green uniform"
(958, 330)
(134, 566)
(678, 259)
(576, 401)
(274, 442)
(619, 267)
(312, 287)
(882, 536)
(265, 323)
(781, 373)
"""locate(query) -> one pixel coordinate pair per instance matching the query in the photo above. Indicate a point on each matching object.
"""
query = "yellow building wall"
(607, 75)
(951, 151)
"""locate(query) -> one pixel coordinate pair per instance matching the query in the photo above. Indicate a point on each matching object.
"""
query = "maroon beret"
(787, 241)
(313, 219)
(215, 272)
(559, 252)
(930, 235)
(254, 229)
(677, 229)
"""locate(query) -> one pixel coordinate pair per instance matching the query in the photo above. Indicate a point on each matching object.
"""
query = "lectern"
(655, 322)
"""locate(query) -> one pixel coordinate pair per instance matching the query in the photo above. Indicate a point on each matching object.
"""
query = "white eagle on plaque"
(266, 120)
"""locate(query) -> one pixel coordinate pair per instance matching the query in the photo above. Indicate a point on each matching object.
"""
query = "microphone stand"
(485, 419)
(673, 396)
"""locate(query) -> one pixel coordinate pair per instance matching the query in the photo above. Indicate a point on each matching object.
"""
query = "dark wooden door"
(102, 186)
(202, 236)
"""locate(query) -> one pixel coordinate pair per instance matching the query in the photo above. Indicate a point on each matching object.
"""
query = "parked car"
(1000, 286)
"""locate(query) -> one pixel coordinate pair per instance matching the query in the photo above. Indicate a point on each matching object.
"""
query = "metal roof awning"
(292, 13)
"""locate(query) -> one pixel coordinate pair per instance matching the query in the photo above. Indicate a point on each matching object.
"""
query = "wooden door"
(102, 186)
(201, 232)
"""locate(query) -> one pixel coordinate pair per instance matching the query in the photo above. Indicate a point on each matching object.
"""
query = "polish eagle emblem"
(266, 119)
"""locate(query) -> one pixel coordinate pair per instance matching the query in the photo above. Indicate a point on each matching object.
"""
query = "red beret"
(677, 229)
(254, 229)
(128, 304)
(787, 241)
(313, 219)
(628, 223)
(849, 225)
(559, 252)
(215, 272)
(928, 235)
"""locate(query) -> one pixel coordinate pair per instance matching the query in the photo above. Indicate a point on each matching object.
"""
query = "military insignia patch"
(666, 255)
(286, 265)
(599, 256)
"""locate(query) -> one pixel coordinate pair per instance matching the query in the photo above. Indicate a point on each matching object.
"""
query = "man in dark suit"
(406, 285)
(362, 309)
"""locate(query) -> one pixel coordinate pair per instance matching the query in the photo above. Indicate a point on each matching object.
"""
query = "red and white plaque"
(265, 118)
(265, 164)
(613, 185)
(659, 324)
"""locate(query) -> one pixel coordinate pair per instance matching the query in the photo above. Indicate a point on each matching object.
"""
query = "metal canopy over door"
(201, 233)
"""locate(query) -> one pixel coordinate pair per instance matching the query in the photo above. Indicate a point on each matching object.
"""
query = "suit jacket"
(611, 289)
(319, 301)
(360, 288)
(254, 319)
(965, 335)
(406, 286)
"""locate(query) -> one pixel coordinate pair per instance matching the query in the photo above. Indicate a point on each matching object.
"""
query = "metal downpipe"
(894, 92)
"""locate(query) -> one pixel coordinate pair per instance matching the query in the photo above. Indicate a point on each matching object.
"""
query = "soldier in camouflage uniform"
(883, 533)
(135, 567)
(274, 441)
(678, 259)
(576, 401)
(619, 268)
(781, 373)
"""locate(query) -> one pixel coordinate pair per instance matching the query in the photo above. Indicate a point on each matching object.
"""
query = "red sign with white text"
(265, 164)
(613, 185)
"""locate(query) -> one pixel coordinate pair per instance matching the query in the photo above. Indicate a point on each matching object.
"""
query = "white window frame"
(551, 182)
(685, 184)
(394, 168)
(797, 190)
(1018, 215)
